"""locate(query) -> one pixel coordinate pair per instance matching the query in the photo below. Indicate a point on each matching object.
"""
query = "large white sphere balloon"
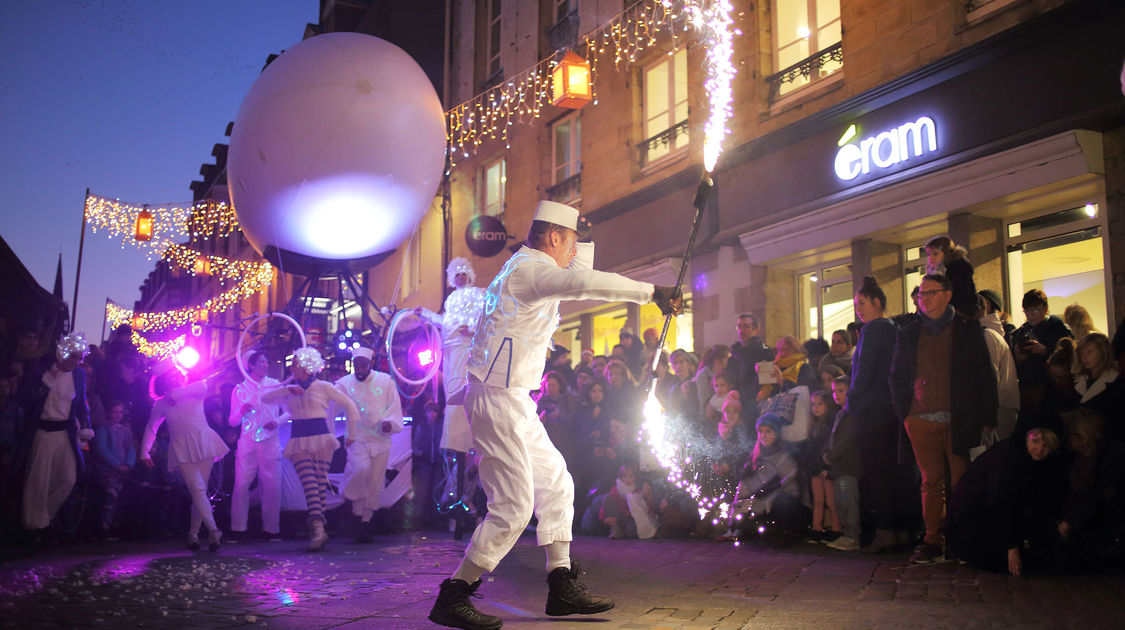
(337, 149)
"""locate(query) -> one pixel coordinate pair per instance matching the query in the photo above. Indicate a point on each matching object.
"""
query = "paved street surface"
(657, 584)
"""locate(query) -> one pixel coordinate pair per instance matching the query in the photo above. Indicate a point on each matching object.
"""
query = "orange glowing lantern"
(202, 266)
(144, 226)
(570, 82)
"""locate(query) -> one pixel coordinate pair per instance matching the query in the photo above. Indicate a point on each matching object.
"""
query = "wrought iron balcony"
(809, 68)
(564, 33)
(568, 189)
(663, 139)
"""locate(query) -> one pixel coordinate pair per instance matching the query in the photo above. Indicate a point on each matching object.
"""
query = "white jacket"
(521, 312)
(1004, 366)
(377, 400)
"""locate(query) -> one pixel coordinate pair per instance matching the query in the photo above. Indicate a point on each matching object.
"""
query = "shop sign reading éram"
(884, 149)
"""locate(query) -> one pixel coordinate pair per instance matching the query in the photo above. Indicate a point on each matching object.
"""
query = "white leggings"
(195, 475)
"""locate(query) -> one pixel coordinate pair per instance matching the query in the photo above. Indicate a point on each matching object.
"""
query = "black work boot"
(454, 609)
(568, 596)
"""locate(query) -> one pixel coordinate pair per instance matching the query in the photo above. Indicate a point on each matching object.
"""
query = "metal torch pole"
(78, 270)
(702, 196)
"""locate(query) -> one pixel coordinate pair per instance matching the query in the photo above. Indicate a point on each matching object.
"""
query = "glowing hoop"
(432, 339)
(242, 336)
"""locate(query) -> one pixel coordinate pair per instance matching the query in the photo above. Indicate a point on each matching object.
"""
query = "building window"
(567, 163)
(493, 180)
(806, 36)
(563, 9)
(824, 300)
(665, 107)
(1062, 253)
(494, 21)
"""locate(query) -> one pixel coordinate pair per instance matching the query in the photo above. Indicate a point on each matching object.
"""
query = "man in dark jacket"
(744, 355)
(944, 389)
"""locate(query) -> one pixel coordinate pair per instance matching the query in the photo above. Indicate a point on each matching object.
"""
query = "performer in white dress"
(193, 447)
(460, 315)
(258, 453)
(369, 446)
(55, 457)
(311, 441)
(521, 472)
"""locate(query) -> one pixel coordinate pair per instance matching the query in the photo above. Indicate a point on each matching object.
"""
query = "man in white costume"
(369, 443)
(521, 471)
(259, 448)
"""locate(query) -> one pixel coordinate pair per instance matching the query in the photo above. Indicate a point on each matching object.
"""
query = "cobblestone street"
(657, 584)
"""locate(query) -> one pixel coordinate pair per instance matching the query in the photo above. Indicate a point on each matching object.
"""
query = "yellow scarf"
(790, 367)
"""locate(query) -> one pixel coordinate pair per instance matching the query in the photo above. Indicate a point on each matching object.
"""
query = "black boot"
(568, 596)
(454, 609)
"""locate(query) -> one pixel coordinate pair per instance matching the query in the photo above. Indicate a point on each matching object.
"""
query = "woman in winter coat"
(1098, 382)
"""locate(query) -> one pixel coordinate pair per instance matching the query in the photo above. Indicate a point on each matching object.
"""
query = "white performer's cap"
(363, 352)
(246, 356)
(557, 213)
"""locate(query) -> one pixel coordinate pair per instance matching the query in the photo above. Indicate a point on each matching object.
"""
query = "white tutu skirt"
(195, 446)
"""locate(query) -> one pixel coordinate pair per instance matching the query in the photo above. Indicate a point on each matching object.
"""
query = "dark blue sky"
(126, 98)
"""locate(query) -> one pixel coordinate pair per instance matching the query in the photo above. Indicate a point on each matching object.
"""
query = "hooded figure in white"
(369, 445)
(458, 320)
(521, 472)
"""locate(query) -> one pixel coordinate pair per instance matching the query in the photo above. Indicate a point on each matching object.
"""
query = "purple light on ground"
(288, 596)
(187, 357)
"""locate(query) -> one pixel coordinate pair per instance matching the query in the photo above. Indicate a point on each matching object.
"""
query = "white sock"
(558, 555)
(467, 571)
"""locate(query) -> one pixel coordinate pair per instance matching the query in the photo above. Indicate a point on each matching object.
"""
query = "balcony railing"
(665, 139)
(568, 189)
(564, 33)
(809, 68)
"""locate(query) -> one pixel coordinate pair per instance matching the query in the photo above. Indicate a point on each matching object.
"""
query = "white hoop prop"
(432, 338)
(242, 336)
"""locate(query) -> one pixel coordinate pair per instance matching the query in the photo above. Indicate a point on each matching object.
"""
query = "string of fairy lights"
(170, 224)
(521, 98)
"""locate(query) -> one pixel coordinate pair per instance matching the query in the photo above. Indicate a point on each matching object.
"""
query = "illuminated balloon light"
(337, 149)
(187, 357)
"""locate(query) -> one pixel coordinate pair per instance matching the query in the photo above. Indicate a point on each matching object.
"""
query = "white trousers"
(51, 471)
(365, 475)
(196, 475)
(262, 460)
(521, 472)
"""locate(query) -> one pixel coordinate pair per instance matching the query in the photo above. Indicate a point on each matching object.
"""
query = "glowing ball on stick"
(337, 149)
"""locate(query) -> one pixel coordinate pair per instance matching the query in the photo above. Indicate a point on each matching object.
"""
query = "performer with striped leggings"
(311, 441)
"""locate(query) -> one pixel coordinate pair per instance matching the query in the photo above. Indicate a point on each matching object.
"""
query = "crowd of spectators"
(946, 433)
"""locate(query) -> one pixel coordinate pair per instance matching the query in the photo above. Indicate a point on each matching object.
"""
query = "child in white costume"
(54, 458)
(369, 445)
(311, 442)
(259, 448)
(193, 448)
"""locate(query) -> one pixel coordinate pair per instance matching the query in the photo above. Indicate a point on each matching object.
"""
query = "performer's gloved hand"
(670, 300)
(86, 434)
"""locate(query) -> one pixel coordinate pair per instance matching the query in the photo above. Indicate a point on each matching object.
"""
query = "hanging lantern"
(144, 226)
(202, 266)
(570, 82)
